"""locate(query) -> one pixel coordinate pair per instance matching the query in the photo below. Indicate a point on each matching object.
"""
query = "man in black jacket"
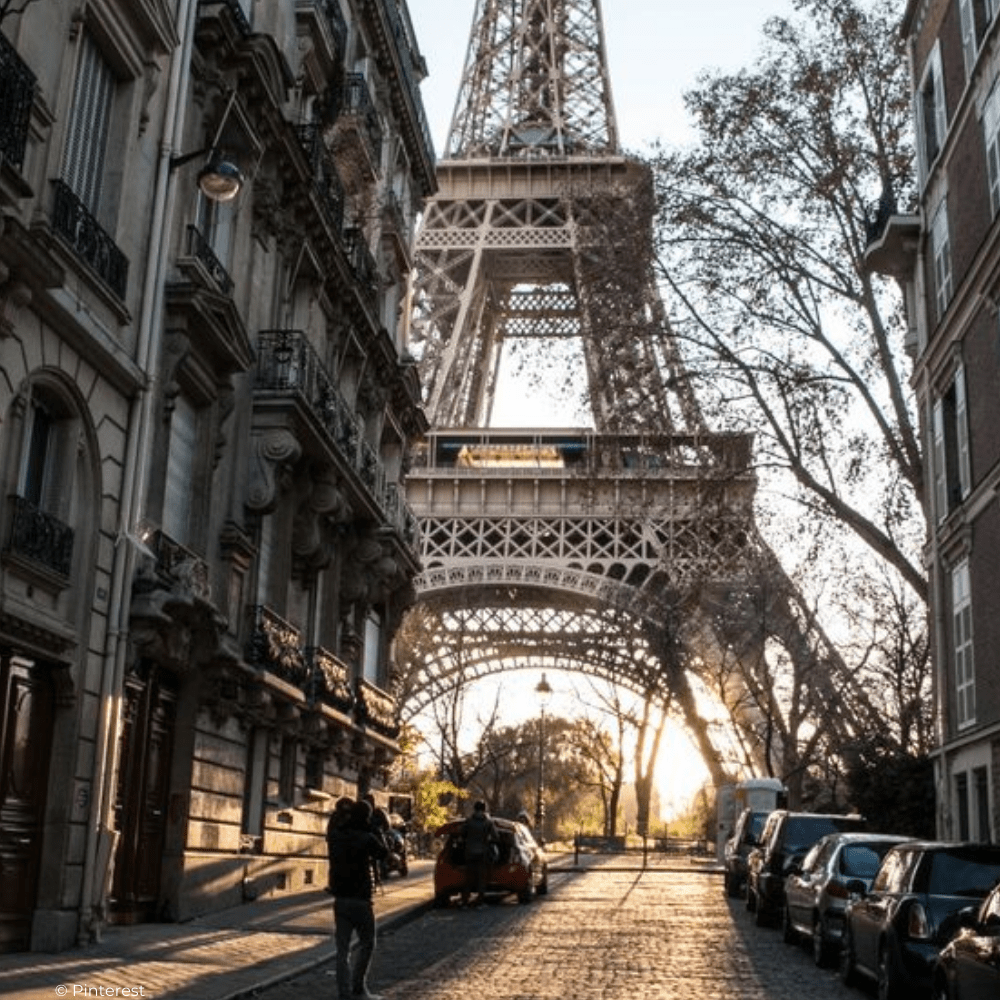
(354, 851)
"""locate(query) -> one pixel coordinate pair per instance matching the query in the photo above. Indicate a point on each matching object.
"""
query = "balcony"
(327, 185)
(17, 96)
(40, 540)
(377, 709)
(274, 647)
(199, 249)
(330, 679)
(893, 239)
(287, 366)
(80, 230)
(236, 12)
(358, 117)
(363, 263)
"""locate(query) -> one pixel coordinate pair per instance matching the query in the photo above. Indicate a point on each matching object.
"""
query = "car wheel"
(788, 933)
(441, 900)
(887, 988)
(404, 869)
(751, 900)
(732, 885)
(820, 949)
(761, 917)
(846, 962)
(542, 889)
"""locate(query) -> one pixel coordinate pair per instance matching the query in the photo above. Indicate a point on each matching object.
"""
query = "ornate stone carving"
(273, 452)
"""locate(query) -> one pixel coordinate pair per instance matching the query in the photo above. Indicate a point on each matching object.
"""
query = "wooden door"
(26, 700)
(143, 791)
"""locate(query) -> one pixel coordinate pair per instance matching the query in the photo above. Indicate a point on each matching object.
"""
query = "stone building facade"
(946, 254)
(206, 408)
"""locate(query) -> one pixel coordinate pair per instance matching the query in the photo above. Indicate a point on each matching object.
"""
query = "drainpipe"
(101, 837)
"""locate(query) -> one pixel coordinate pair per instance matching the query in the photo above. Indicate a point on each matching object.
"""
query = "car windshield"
(755, 826)
(959, 874)
(862, 860)
(804, 831)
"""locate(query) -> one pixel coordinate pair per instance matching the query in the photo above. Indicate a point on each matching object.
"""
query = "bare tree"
(763, 228)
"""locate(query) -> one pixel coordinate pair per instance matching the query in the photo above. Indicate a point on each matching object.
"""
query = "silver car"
(816, 894)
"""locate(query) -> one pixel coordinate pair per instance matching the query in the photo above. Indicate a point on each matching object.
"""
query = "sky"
(656, 49)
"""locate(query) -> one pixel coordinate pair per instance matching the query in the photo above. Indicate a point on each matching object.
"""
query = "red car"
(520, 865)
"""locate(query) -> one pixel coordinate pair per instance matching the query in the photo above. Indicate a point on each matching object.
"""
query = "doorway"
(146, 750)
(27, 700)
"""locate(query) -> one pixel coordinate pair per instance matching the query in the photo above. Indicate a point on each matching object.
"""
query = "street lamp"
(544, 691)
(219, 179)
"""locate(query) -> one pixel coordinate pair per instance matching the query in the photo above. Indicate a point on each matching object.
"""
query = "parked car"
(816, 895)
(746, 836)
(786, 839)
(968, 967)
(520, 865)
(893, 933)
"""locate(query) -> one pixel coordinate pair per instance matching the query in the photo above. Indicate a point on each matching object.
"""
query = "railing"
(72, 221)
(274, 646)
(17, 95)
(40, 537)
(199, 248)
(877, 216)
(358, 103)
(326, 181)
(330, 679)
(362, 261)
(288, 365)
(395, 217)
(236, 9)
(338, 26)
(377, 709)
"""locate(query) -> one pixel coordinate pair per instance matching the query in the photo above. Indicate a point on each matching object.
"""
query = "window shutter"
(962, 434)
(87, 136)
(967, 17)
(991, 136)
(940, 463)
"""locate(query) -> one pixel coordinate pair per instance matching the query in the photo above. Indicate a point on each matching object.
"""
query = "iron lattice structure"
(602, 551)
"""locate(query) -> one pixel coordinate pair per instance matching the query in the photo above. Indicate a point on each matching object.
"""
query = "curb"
(389, 924)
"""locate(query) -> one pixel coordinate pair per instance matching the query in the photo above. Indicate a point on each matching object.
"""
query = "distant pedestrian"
(480, 833)
(354, 850)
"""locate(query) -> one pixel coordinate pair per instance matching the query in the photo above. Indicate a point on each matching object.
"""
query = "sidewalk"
(220, 956)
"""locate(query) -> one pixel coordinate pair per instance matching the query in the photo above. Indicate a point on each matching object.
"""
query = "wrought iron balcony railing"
(337, 24)
(358, 103)
(17, 95)
(73, 222)
(288, 365)
(330, 679)
(236, 9)
(362, 261)
(326, 181)
(40, 538)
(199, 248)
(274, 647)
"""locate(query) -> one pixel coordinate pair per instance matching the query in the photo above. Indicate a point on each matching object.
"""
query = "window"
(48, 456)
(373, 646)
(254, 790)
(962, 805)
(951, 459)
(940, 241)
(182, 453)
(976, 16)
(932, 115)
(961, 616)
(89, 126)
(991, 136)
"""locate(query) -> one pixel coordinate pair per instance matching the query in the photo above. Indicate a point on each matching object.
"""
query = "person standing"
(480, 834)
(354, 851)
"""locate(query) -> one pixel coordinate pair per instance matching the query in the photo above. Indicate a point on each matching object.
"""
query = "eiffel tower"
(626, 551)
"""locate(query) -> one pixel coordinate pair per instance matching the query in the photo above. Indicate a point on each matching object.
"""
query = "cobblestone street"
(608, 934)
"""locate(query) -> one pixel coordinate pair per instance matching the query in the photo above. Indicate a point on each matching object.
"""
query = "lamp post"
(544, 691)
